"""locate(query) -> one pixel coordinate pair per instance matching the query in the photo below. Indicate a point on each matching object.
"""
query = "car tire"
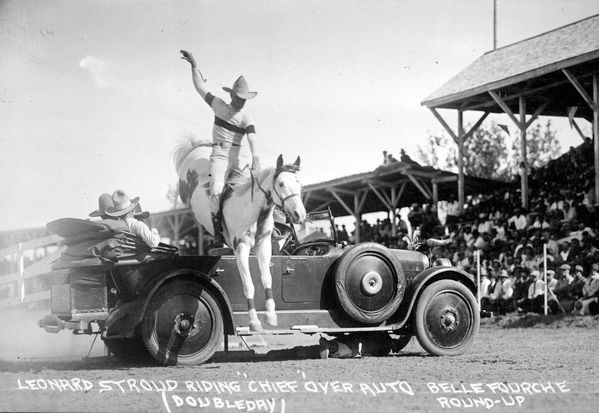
(446, 318)
(369, 283)
(183, 324)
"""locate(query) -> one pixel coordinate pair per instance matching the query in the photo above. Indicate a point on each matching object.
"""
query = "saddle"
(230, 183)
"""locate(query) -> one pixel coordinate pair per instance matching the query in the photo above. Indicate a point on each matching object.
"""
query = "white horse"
(247, 213)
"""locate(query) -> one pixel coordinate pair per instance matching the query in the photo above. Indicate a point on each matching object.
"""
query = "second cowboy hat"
(122, 204)
(241, 89)
(104, 202)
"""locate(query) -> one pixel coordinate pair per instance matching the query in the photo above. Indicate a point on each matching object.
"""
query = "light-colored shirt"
(453, 208)
(536, 289)
(497, 289)
(591, 286)
(520, 222)
(149, 236)
(484, 226)
(230, 124)
(484, 287)
(507, 289)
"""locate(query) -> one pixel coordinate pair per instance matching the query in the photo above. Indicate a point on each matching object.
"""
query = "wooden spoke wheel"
(183, 324)
(447, 318)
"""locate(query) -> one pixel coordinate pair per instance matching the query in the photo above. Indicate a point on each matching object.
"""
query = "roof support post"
(394, 210)
(418, 185)
(580, 89)
(322, 205)
(524, 161)
(596, 132)
(342, 202)
(460, 142)
(593, 103)
(382, 196)
(522, 125)
(358, 204)
(444, 124)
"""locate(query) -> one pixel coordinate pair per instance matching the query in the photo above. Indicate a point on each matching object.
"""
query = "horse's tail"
(185, 147)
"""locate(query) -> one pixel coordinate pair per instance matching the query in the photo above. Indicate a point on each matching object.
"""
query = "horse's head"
(287, 190)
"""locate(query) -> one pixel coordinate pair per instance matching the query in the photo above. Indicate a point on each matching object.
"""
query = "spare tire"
(369, 282)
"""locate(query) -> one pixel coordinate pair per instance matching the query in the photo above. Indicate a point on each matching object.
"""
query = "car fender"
(128, 316)
(422, 280)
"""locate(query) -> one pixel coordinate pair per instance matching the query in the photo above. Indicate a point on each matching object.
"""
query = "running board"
(304, 322)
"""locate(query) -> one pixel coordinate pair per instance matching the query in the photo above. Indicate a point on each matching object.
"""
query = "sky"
(94, 96)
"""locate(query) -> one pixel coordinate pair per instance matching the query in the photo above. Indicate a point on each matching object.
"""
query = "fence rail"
(12, 285)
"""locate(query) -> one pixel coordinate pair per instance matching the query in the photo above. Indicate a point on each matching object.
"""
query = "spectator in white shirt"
(518, 219)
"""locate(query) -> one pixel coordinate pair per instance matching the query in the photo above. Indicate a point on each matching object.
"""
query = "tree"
(541, 147)
(436, 152)
(486, 153)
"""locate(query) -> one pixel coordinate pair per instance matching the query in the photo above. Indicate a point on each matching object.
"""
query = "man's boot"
(217, 224)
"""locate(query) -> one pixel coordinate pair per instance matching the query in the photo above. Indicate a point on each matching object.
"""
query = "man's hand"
(185, 55)
(255, 163)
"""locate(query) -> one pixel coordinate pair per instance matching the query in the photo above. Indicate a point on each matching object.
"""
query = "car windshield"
(316, 226)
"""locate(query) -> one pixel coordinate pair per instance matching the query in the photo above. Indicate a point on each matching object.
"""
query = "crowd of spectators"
(510, 239)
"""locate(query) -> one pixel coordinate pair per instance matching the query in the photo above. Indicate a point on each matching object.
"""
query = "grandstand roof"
(393, 175)
(531, 67)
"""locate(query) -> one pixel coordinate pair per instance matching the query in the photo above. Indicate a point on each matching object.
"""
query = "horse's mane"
(241, 181)
(185, 147)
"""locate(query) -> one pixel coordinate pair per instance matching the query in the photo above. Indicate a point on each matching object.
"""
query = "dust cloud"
(22, 339)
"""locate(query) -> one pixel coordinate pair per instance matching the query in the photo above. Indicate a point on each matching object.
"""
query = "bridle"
(268, 195)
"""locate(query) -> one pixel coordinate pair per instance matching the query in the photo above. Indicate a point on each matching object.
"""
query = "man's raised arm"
(198, 80)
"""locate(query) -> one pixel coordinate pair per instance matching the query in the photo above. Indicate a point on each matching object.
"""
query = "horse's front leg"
(264, 252)
(242, 256)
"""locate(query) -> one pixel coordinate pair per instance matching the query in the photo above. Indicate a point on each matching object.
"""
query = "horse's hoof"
(271, 318)
(256, 326)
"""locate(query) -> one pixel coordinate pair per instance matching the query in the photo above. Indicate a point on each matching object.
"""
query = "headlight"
(442, 262)
(425, 261)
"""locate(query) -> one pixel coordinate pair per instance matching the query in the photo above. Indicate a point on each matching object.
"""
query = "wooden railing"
(13, 289)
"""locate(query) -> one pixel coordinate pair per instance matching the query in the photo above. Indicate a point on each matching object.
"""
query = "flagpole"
(545, 275)
(478, 298)
(494, 24)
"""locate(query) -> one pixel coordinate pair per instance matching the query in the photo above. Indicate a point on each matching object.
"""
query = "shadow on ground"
(533, 320)
(112, 363)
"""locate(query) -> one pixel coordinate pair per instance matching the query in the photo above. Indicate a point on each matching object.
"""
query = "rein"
(267, 194)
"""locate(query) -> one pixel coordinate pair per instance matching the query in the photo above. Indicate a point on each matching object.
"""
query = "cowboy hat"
(503, 274)
(122, 204)
(241, 89)
(104, 201)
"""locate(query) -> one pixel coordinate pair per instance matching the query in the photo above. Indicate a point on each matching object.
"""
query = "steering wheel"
(317, 247)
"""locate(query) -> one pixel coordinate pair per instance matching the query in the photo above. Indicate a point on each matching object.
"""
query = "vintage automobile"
(179, 309)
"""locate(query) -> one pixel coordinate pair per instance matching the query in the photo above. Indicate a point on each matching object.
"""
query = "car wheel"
(369, 282)
(447, 319)
(183, 324)
(131, 349)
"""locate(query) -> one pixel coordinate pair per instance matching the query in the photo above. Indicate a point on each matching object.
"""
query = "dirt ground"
(516, 364)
